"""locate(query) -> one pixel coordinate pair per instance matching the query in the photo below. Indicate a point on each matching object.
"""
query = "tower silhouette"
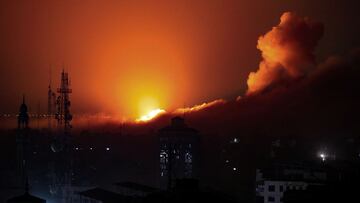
(51, 103)
(63, 114)
(22, 143)
(23, 118)
(61, 185)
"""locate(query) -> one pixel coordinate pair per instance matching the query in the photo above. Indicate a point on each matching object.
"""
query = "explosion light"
(152, 114)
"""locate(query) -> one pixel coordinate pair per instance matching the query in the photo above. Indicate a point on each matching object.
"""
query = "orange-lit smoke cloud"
(287, 52)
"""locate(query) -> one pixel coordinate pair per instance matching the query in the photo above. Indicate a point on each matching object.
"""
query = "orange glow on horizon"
(152, 114)
(119, 52)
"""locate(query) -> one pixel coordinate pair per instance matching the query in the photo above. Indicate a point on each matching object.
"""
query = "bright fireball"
(152, 114)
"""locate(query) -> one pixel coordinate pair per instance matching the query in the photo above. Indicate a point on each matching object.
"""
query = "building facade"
(179, 152)
(273, 182)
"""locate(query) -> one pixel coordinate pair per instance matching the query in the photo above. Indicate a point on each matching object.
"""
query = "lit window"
(163, 156)
(188, 158)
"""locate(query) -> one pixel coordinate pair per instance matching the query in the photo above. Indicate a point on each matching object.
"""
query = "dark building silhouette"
(187, 190)
(346, 191)
(26, 198)
(134, 189)
(274, 180)
(179, 152)
(99, 195)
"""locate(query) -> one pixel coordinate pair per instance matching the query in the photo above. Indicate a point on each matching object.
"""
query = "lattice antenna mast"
(64, 116)
(50, 101)
(62, 145)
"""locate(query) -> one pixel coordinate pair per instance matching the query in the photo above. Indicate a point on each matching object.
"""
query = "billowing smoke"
(287, 52)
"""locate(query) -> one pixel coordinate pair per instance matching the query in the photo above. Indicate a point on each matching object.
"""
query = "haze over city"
(128, 58)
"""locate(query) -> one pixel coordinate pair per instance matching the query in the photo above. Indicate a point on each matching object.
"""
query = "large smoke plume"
(287, 52)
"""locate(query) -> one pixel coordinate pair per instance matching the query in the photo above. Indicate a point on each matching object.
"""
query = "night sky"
(126, 58)
(260, 82)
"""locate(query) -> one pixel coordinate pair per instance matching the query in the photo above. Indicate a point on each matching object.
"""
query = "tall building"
(179, 152)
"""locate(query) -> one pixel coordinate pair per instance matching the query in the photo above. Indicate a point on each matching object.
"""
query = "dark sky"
(128, 57)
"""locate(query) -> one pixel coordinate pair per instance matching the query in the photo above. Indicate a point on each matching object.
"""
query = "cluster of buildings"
(275, 180)
(178, 162)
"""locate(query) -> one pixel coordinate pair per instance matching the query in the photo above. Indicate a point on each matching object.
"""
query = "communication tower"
(51, 103)
(61, 185)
